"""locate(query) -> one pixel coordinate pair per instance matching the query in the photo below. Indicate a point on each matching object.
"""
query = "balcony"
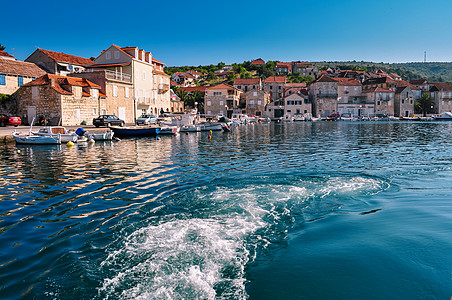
(118, 76)
(163, 87)
(145, 101)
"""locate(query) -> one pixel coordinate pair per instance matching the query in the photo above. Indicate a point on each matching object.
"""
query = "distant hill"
(432, 71)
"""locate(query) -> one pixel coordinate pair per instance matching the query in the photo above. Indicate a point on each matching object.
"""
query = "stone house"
(150, 83)
(184, 78)
(381, 82)
(118, 93)
(284, 68)
(323, 96)
(256, 100)
(14, 73)
(222, 99)
(247, 84)
(275, 86)
(350, 98)
(58, 63)
(297, 102)
(403, 101)
(60, 100)
(305, 69)
(441, 93)
(383, 100)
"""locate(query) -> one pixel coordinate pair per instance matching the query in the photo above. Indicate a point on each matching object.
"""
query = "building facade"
(274, 85)
(256, 100)
(14, 73)
(323, 96)
(222, 99)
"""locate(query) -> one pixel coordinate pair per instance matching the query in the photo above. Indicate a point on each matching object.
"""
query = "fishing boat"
(32, 139)
(190, 128)
(135, 131)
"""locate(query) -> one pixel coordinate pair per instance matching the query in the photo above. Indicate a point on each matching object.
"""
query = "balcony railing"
(163, 87)
(118, 76)
(146, 100)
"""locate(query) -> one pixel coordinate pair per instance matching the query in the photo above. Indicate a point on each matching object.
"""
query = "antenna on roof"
(425, 56)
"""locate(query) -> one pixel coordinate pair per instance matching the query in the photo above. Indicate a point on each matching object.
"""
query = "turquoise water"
(327, 210)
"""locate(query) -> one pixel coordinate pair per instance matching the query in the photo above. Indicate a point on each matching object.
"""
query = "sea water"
(327, 210)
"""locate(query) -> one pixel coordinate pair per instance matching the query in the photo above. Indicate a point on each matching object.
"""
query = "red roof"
(279, 79)
(221, 86)
(5, 54)
(296, 85)
(377, 89)
(258, 62)
(174, 83)
(347, 81)
(157, 61)
(247, 81)
(224, 73)
(67, 58)
(159, 72)
(60, 83)
(325, 78)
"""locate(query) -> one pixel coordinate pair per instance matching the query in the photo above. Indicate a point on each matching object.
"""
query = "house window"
(2, 79)
(221, 102)
(127, 92)
(116, 54)
(403, 101)
(103, 111)
(254, 94)
(144, 75)
(259, 102)
(209, 112)
(217, 93)
(239, 87)
(108, 55)
(115, 91)
(136, 74)
(251, 102)
(209, 103)
(271, 87)
(20, 80)
(94, 111)
(95, 93)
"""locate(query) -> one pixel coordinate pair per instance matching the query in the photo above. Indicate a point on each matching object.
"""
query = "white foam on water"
(205, 258)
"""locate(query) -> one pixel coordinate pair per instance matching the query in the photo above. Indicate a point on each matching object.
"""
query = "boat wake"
(198, 245)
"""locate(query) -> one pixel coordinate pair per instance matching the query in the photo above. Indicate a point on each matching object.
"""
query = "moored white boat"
(32, 139)
(206, 126)
(446, 116)
(101, 136)
(173, 130)
(57, 130)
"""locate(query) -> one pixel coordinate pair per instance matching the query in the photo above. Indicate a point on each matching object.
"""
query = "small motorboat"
(66, 136)
(446, 116)
(190, 128)
(207, 126)
(32, 139)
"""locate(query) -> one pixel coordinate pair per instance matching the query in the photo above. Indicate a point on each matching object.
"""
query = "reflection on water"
(184, 216)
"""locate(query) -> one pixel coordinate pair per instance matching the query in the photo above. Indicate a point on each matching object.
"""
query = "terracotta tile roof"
(183, 74)
(174, 83)
(67, 58)
(221, 86)
(159, 72)
(5, 54)
(258, 61)
(325, 78)
(347, 81)
(418, 81)
(377, 89)
(296, 85)
(441, 86)
(224, 73)
(60, 83)
(279, 79)
(195, 73)
(379, 80)
(16, 67)
(403, 83)
(157, 61)
(247, 81)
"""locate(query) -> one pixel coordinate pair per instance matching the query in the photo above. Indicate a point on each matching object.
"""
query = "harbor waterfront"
(310, 210)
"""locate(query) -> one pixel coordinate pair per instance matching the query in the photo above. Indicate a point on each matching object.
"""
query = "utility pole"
(425, 56)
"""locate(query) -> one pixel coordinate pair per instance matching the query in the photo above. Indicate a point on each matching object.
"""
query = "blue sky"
(207, 32)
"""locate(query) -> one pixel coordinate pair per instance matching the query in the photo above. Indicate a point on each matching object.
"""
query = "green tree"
(425, 104)
(2, 47)
(197, 99)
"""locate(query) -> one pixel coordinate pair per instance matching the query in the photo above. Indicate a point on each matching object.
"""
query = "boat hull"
(135, 132)
(24, 139)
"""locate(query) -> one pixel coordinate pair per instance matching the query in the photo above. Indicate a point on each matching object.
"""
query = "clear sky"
(207, 32)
